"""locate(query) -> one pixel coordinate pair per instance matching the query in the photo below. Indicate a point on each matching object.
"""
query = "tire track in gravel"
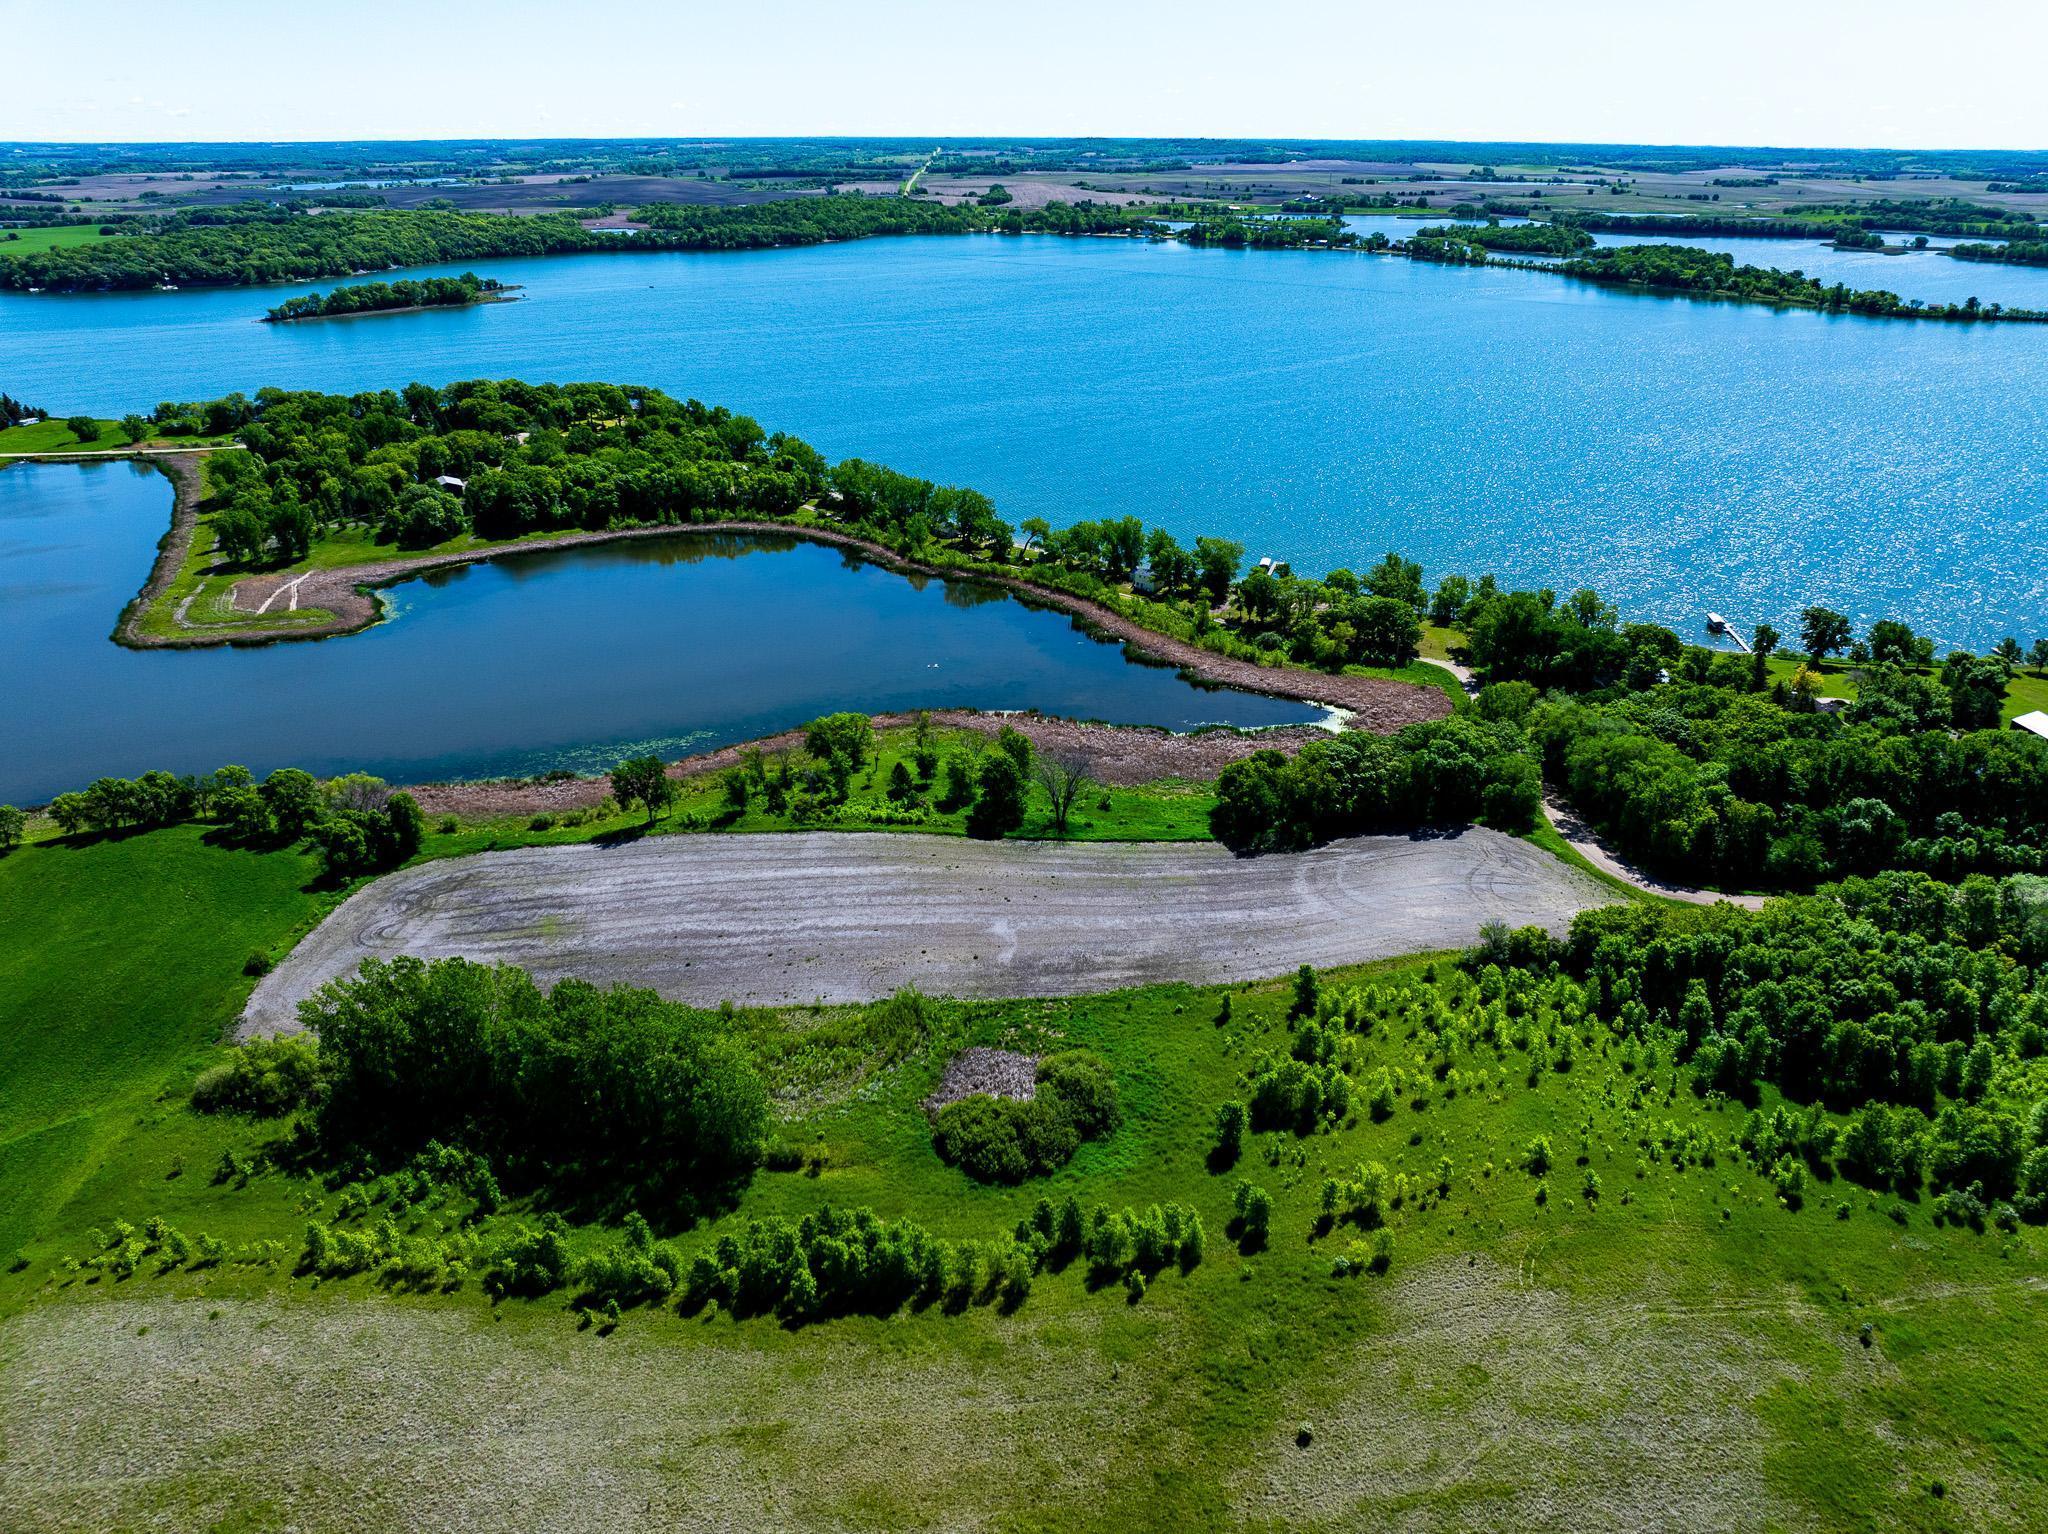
(787, 919)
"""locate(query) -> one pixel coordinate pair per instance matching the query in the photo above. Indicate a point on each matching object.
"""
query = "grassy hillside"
(1681, 1349)
(122, 961)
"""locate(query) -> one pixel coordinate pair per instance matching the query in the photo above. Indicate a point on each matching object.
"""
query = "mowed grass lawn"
(53, 436)
(28, 242)
(1682, 1351)
(2026, 692)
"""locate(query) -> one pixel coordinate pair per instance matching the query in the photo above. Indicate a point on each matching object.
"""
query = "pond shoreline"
(348, 592)
(188, 488)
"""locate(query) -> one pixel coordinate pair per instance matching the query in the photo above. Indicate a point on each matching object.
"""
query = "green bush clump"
(839, 1262)
(1006, 1140)
(616, 1082)
(635, 1269)
(264, 1077)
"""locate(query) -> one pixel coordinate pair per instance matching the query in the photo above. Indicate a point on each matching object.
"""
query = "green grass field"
(1680, 1351)
(53, 436)
(28, 242)
(122, 961)
(2027, 691)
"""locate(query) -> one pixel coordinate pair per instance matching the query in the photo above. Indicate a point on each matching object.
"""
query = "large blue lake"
(1676, 454)
(570, 658)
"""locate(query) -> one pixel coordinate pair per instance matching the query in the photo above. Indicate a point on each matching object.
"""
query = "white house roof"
(2035, 723)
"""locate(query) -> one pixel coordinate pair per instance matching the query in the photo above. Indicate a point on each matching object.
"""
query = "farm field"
(28, 241)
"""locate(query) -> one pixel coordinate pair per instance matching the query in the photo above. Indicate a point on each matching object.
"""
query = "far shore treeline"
(255, 243)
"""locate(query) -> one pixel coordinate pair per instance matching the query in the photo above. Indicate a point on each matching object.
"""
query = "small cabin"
(2035, 723)
(450, 483)
(1142, 580)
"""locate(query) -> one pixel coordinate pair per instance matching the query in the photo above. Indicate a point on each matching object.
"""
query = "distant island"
(391, 298)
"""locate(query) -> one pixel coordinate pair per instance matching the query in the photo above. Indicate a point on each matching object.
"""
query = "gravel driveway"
(780, 919)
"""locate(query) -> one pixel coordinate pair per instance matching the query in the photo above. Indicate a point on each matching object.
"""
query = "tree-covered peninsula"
(1687, 269)
(389, 298)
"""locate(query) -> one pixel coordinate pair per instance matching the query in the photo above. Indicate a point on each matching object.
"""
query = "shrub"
(1006, 1140)
(1081, 1082)
(1231, 1119)
(999, 798)
(264, 1077)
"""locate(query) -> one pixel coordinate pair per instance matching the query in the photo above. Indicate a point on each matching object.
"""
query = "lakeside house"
(2035, 723)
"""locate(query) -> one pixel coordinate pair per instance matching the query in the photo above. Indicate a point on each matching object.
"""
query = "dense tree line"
(798, 221)
(1687, 269)
(245, 247)
(1918, 1005)
(260, 243)
(370, 297)
(1740, 225)
(1929, 215)
(1817, 221)
(355, 823)
(1444, 772)
(528, 458)
(591, 457)
(2027, 252)
(1265, 233)
(1711, 783)
(1556, 238)
(617, 1083)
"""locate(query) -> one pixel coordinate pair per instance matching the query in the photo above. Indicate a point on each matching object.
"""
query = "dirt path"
(1589, 845)
(1587, 842)
(348, 593)
(68, 455)
(188, 481)
(777, 920)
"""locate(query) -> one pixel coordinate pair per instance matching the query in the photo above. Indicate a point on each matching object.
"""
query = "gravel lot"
(776, 920)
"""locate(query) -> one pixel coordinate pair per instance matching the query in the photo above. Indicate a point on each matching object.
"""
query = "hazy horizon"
(1594, 72)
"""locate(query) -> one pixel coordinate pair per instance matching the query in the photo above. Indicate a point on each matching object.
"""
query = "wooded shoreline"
(349, 593)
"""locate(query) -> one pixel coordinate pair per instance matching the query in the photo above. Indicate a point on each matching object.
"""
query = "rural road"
(784, 919)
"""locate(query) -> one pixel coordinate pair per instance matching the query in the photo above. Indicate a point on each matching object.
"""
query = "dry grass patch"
(376, 1415)
(1490, 1403)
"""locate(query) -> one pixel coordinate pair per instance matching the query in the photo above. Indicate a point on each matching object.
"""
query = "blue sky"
(1964, 74)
